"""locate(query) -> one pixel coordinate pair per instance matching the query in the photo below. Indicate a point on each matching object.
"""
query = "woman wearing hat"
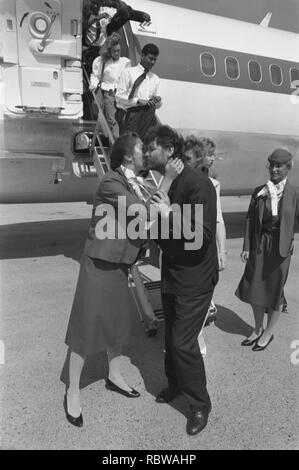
(268, 246)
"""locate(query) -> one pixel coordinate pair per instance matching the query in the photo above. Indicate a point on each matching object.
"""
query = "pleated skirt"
(100, 315)
(265, 275)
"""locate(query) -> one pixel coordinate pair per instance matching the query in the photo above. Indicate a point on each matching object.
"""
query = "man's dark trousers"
(140, 119)
(184, 366)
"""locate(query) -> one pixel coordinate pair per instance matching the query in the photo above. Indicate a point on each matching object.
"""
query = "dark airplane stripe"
(181, 61)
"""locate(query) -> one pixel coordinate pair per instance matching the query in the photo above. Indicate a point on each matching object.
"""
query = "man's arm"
(155, 100)
(122, 93)
(88, 17)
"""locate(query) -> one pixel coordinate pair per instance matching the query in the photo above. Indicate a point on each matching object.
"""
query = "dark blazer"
(289, 215)
(193, 187)
(120, 249)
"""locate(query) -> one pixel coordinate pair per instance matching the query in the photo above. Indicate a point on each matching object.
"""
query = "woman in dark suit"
(268, 246)
(100, 316)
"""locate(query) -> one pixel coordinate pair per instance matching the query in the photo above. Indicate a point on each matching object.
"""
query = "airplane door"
(34, 19)
(48, 75)
(40, 75)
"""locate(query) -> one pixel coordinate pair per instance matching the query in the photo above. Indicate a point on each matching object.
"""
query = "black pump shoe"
(74, 421)
(114, 388)
(257, 347)
(248, 342)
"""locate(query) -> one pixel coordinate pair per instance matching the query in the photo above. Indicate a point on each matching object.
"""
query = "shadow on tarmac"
(148, 357)
(66, 237)
(49, 238)
(230, 322)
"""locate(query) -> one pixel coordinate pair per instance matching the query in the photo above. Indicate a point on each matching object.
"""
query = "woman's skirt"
(100, 315)
(265, 274)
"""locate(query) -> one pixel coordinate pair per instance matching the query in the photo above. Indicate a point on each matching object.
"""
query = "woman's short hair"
(194, 143)
(123, 146)
(209, 145)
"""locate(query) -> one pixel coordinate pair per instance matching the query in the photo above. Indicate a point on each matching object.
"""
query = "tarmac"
(255, 395)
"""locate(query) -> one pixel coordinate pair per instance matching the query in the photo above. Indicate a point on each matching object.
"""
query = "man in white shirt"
(104, 79)
(138, 93)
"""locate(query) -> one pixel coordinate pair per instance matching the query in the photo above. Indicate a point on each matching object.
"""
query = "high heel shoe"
(248, 342)
(114, 388)
(257, 347)
(71, 419)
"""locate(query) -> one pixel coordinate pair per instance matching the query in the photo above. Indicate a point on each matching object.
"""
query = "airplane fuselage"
(226, 79)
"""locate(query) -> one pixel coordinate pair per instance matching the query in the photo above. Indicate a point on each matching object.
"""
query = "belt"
(137, 108)
(270, 230)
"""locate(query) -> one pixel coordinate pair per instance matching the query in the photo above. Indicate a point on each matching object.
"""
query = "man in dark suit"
(188, 278)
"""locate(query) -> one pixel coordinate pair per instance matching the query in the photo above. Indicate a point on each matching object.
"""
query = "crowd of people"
(128, 95)
(100, 319)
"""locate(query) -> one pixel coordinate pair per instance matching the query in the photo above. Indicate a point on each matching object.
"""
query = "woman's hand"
(244, 256)
(222, 260)
(161, 201)
(173, 168)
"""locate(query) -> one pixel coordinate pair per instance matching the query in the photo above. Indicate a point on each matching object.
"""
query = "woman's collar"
(128, 172)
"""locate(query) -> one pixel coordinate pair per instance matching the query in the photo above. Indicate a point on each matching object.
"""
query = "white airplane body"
(226, 79)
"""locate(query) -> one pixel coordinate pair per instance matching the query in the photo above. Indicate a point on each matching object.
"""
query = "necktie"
(141, 189)
(275, 192)
(136, 84)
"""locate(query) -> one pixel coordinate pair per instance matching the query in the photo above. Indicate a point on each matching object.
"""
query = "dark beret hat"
(280, 156)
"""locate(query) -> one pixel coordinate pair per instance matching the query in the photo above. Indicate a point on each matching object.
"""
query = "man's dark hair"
(94, 6)
(123, 146)
(167, 137)
(150, 49)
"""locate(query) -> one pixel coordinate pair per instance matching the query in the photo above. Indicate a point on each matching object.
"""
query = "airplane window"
(294, 77)
(276, 74)
(255, 71)
(232, 68)
(207, 64)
